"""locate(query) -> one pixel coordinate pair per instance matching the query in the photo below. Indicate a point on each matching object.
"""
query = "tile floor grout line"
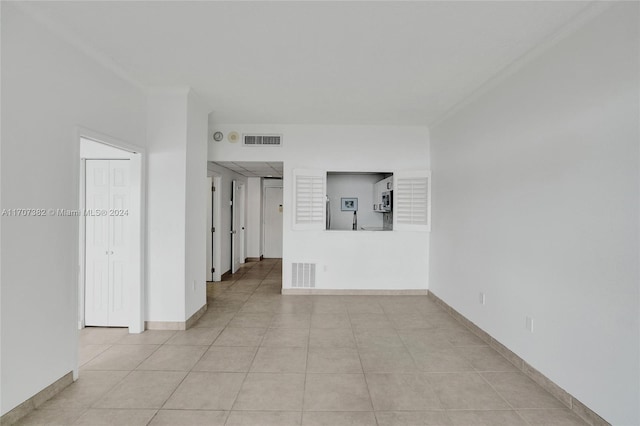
(94, 356)
(426, 376)
(187, 375)
(366, 382)
(498, 393)
(255, 354)
(263, 294)
(306, 368)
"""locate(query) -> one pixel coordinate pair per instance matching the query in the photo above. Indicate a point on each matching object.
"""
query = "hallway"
(259, 358)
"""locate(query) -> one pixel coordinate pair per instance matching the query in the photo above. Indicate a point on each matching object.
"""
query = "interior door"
(235, 255)
(210, 231)
(97, 243)
(119, 242)
(108, 243)
(242, 237)
(273, 222)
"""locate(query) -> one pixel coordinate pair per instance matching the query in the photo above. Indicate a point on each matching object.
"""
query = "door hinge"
(213, 189)
(213, 270)
(213, 229)
(231, 203)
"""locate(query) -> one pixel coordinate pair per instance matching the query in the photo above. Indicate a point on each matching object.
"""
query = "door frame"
(233, 231)
(270, 183)
(210, 210)
(217, 236)
(242, 239)
(138, 223)
(238, 210)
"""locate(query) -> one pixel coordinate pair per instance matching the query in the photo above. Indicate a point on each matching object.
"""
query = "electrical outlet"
(482, 298)
(528, 323)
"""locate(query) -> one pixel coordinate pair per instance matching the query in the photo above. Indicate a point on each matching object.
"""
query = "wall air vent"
(303, 275)
(262, 140)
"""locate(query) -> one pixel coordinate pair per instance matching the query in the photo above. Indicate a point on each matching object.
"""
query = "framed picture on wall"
(349, 204)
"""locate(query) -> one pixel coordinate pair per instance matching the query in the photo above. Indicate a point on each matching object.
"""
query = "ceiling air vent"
(262, 140)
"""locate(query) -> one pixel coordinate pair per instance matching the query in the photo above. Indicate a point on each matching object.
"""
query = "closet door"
(108, 243)
(97, 243)
(119, 243)
(235, 220)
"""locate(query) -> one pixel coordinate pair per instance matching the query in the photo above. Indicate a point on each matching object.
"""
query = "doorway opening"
(242, 184)
(111, 233)
(272, 214)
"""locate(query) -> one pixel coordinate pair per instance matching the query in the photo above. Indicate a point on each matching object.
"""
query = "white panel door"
(272, 222)
(235, 220)
(108, 243)
(210, 230)
(242, 237)
(119, 243)
(97, 243)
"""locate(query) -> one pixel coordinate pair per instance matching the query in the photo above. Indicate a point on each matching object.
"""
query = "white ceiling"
(254, 168)
(315, 62)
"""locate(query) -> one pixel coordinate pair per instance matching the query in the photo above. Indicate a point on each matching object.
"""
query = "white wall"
(91, 149)
(226, 177)
(350, 185)
(177, 226)
(254, 217)
(196, 206)
(345, 259)
(48, 88)
(166, 195)
(535, 203)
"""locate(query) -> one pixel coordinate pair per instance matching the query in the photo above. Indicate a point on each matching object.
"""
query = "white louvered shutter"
(412, 201)
(309, 199)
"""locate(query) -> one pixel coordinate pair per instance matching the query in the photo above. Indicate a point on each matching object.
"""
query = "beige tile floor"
(259, 358)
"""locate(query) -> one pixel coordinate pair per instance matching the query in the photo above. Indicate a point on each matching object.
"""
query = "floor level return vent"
(303, 275)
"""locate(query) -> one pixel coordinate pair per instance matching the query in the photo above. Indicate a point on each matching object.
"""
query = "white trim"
(138, 176)
(78, 42)
(242, 241)
(268, 183)
(209, 250)
(595, 9)
(217, 241)
(217, 217)
(345, 292)
(81, 243)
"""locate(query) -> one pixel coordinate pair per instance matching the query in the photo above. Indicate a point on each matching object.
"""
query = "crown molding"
(590, 12)
(77, 42)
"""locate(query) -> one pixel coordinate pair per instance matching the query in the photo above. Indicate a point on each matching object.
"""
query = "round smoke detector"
(233, 137)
